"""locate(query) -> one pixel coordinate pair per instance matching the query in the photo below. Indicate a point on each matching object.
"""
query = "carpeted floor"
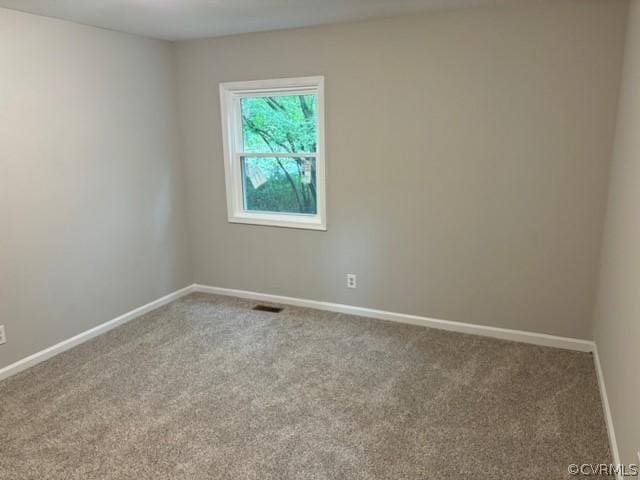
(206, 388)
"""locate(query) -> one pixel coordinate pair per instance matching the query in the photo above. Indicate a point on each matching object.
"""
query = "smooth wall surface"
(617, 318)
(467, 158)
(90, 182)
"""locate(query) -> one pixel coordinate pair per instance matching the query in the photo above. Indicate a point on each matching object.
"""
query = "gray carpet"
(206, 388)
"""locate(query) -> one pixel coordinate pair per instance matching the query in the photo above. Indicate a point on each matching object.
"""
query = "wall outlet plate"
(3, 337)
(351, 280)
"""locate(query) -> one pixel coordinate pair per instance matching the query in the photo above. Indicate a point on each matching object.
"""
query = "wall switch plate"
(351, 280)
(3, 337)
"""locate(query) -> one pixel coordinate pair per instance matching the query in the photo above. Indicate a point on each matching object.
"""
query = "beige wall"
(90, 196)
(467, 157)
(467, 165)
(617, 318)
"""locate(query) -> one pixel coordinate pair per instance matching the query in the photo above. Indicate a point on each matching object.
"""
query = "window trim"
(230, 95)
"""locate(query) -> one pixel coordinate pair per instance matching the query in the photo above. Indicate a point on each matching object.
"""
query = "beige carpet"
(206, 388)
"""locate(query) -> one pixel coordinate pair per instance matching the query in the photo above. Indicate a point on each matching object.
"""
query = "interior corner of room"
(446, 196)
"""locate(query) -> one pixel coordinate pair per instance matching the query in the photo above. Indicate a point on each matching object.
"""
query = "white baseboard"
(495, 332)
(501, 333)
(486, 331)
(613, 444)
(47, 353)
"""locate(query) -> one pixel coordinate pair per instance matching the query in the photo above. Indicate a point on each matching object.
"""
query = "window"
(273, 135)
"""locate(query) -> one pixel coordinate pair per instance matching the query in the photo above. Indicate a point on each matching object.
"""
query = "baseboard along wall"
(473, 329)
(608, 417)
(69, 343)
(468, 328)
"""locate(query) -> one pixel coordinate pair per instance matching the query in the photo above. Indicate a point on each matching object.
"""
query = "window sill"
(303, 222)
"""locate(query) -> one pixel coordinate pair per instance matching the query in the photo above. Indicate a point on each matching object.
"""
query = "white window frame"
(230, 95)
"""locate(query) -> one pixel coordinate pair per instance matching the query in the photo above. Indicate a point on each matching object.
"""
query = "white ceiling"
(188, 19)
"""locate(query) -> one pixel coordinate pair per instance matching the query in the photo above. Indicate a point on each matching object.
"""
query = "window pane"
(283, 124)
(279, 185)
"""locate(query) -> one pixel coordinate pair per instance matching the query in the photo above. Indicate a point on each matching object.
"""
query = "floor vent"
(267, 308)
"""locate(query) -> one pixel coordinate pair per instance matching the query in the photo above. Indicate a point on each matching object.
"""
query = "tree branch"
(306, 111)
(273, 103)
(266, 137)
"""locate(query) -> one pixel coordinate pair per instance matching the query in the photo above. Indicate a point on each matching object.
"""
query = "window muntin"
(274, 158)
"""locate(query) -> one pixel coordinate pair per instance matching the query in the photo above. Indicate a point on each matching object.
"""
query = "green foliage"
(285, 124)
(280, 124)
(277, 194)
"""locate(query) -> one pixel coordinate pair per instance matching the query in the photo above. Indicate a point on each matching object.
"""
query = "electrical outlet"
(3, 337)
(351, 280)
